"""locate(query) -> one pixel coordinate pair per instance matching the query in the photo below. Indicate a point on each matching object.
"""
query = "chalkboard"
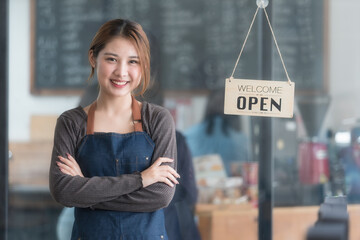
(300, 29)
(194, 43)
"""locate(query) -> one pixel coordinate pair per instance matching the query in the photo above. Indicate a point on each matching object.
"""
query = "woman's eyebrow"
(115, 55)
(111, 54)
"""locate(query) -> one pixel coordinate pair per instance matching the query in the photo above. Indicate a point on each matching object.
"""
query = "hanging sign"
(259, 98)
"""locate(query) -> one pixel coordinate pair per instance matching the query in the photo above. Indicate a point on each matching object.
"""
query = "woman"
(114, 160)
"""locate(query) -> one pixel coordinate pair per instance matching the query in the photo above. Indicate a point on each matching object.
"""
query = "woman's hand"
(69, 166)
(160, 173)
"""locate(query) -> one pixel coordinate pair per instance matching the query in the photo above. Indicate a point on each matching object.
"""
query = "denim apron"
(113, 154)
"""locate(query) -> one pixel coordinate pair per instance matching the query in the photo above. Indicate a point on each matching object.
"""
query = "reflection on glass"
(316, 154)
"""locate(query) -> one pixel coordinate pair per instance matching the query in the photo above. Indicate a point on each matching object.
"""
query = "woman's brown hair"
(133, 32)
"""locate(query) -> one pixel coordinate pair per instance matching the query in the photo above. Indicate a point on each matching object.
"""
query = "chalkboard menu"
(194, 43)
(300, 28)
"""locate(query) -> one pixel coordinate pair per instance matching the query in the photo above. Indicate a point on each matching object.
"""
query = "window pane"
(194, 47)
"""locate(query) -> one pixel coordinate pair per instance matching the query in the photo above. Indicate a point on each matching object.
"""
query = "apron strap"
(136, 112)
(90, 119)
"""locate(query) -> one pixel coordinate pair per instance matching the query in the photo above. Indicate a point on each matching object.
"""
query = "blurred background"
(194, 46)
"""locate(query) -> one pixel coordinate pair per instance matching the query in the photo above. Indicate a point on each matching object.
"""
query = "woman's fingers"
(65, 161)
(72, 159)
(170, 173)
(168, 182)
(75, 165)
(162, 160)
(173, 172)
(69, 166)
(159, 172)
(65, 169)
(172, 178)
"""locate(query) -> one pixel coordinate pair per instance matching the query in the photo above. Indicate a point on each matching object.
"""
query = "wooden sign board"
(259, 98)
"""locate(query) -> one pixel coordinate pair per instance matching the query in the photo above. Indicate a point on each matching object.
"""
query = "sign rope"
(273, 34)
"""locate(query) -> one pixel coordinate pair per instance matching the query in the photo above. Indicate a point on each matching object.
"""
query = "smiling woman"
(118, 67)
(136, 39)
(116, 154)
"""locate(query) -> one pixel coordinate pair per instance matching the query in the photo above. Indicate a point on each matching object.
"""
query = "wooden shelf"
(230, 222)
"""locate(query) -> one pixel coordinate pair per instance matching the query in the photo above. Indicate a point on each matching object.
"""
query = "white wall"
(344, 70)
(344, 64)
(22, 105)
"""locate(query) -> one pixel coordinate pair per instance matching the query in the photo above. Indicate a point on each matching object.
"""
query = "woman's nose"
(121, 69)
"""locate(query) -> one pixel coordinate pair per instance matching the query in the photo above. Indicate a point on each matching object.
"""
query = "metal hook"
(262, 3)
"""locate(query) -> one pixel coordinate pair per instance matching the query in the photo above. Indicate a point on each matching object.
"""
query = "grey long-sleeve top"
(121, 193)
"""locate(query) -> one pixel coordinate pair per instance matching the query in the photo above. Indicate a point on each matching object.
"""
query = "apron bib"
(114, 154)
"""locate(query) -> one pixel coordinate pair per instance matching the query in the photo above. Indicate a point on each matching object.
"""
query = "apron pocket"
(137, 164)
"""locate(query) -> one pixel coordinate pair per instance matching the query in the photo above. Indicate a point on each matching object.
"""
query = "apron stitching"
(82, 143)
(150, 141)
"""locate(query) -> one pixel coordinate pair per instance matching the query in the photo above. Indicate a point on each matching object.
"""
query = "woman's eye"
(111, 59)
(133, 62)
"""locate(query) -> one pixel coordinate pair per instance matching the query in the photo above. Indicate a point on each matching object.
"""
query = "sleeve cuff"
(139, 179)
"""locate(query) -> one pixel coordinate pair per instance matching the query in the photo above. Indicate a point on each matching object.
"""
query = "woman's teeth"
(119, 83)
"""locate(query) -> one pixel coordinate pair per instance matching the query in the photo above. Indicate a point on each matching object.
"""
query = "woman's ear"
(92, 59)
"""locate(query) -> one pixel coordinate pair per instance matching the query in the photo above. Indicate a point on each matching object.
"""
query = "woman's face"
(117, 67)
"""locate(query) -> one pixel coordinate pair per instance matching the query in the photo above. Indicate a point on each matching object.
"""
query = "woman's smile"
(119, 83)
